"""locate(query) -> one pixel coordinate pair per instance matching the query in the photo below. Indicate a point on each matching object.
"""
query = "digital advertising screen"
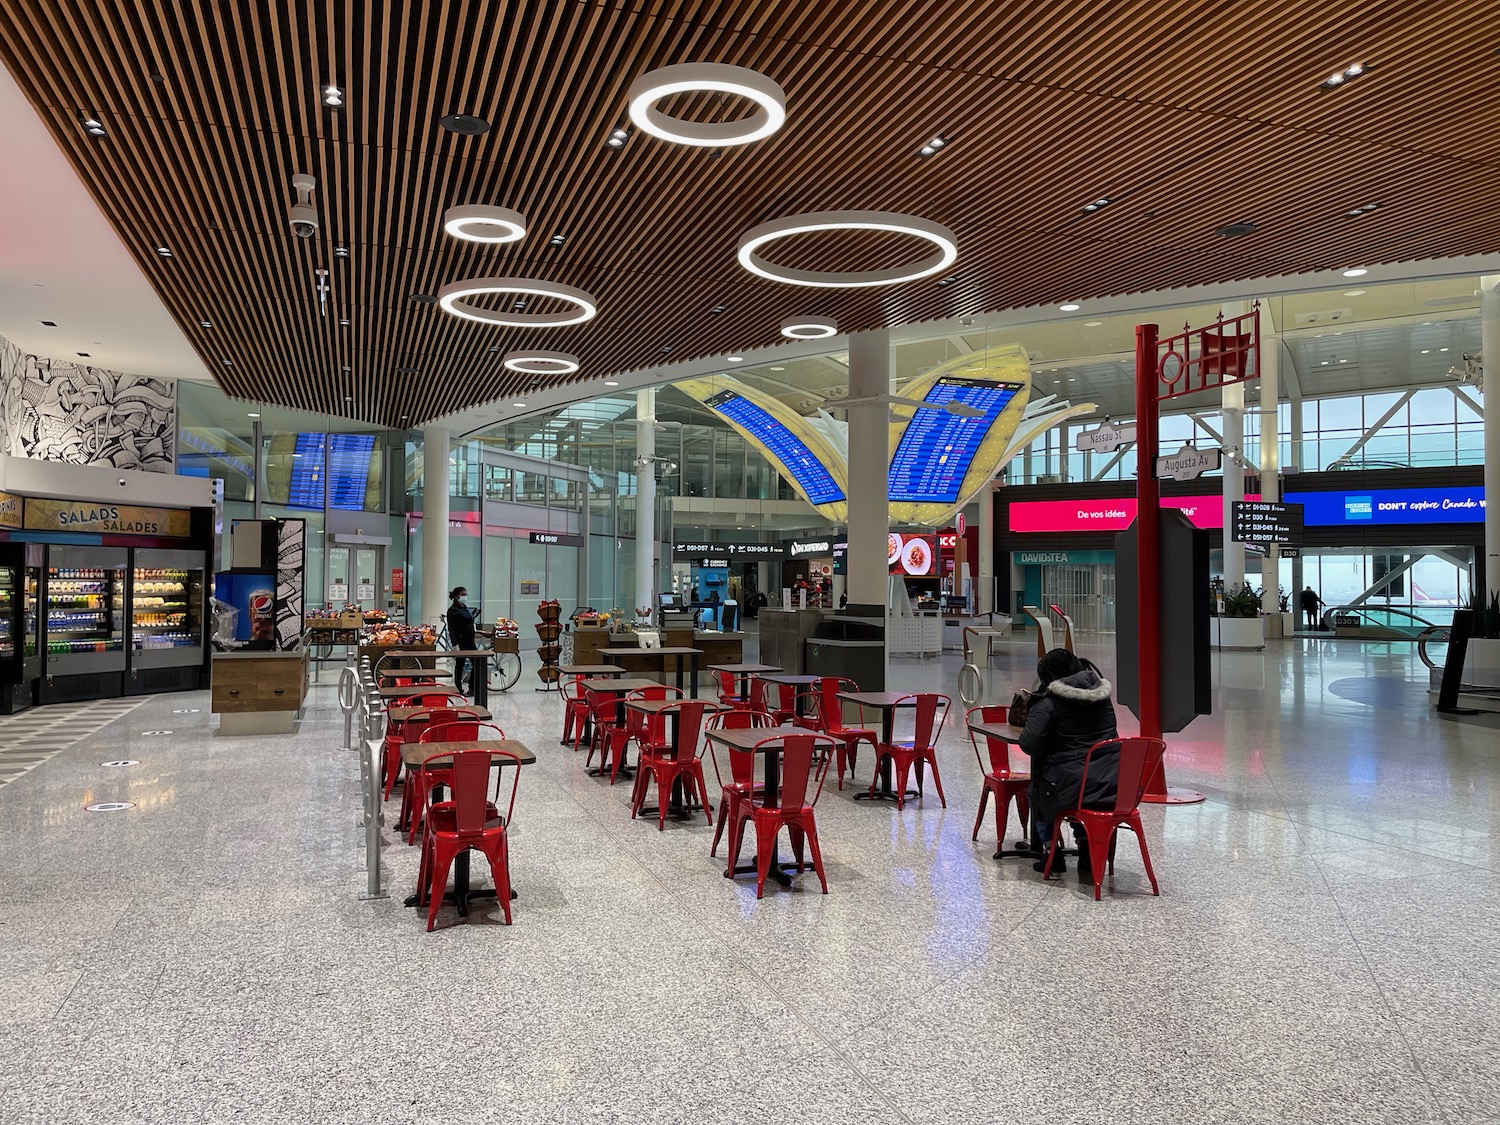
(937, 448)
(915, 556)
(772, 435)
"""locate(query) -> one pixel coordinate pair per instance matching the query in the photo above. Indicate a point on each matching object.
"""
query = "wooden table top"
(466, 653)
(621, 686)
(396, 691)
(655, 706)
(741, 738)
(426, 673)
(473, 711)
(998, 730)
(591, 669)
(663, 651)
(415, 753)
(879, 699)
(795, 679)
(743, 669)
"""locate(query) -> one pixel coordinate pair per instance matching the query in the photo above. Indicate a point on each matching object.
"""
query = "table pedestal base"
(1173, 796)
(885, 795)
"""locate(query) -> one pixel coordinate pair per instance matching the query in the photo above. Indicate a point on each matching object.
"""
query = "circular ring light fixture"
(718, 78)
(541, 363)
(757, 238)
(453, 299)
(481, 222)
(809, 328)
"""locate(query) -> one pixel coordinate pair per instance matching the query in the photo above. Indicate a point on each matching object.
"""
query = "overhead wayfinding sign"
(1106, 439)
(556, 539)
(682, 548)
(1266, 523)
(1188, 463)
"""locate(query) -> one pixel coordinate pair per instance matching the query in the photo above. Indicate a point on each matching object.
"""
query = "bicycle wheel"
(505, 670)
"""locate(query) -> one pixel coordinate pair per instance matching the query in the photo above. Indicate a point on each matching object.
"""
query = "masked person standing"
(1069, 714)
(461, 635)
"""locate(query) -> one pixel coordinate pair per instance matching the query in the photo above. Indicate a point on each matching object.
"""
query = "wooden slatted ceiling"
(1188, 114)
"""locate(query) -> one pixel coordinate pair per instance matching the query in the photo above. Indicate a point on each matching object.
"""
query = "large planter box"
(1236, 633)
(1482, 662)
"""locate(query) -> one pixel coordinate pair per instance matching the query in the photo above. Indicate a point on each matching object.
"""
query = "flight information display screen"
(937, 448)
(349, 470)
(810, 474)
(305, 489)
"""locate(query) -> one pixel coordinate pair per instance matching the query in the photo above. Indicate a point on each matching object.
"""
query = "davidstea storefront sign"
(1061, 558)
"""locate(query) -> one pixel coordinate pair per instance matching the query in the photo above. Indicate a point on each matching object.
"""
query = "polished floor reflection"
(1323, 948)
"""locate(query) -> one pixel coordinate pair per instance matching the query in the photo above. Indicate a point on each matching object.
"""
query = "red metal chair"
(999, 778)
(419, 781)
(831, 723)
(409, 731)
(604, 708)
(931, 715)
(467, 820)
(575, 711)
(1139, 759)
(790, 808)
(668, 766)
(395, 735)
(729, 691)
(648, 732)
(780, 702)
(741, 785)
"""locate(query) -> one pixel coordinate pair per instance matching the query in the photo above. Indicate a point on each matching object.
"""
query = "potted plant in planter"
(1239, 627)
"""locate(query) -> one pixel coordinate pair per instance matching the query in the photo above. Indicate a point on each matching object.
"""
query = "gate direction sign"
(1265, 523)
(1106, 439)
(1189, 463)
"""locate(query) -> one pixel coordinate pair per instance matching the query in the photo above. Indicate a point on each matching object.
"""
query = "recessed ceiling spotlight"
(1365, 210)
(1442, 349)
(617, 138)
(1343, 361)
(719, 309)
(1071, 306)
(1354, 292)
(91, 124)
(402, 371)
(1343, 77)
(809, 327)
(735, 358)
(519, 405)
(778, 369)
(557, 240)
(933, 147)
(346, 367)
(949, 280)
(252, 414)
(164, 251)
(464, 124)
(333, 96)
(344, 322)
(481, 222)
(205, 324)
(665, 348)
(1426, 351)
(1097, 205)
(1092, 323)
(611, 382)
(423, 298)
(1360, 272)
(494, 347)
(228, 362)
(341, 251)
(715, 78)
(541, 363)
(1237, 230)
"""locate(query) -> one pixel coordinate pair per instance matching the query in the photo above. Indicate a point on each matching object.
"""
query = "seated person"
(1069, 714)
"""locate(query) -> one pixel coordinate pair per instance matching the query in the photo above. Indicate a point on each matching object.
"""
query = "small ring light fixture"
(684, 78)
(482, 222)
(453, 298)
(757, 238)
(809, 328)
(541, 363)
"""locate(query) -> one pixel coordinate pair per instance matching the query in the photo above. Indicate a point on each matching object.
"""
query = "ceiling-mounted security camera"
(303, 218)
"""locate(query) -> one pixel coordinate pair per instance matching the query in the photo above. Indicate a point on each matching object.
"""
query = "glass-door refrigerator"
(83, 623)
(20, 661)
(165, 628)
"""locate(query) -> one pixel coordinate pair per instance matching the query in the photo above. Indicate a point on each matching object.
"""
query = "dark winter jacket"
(1064, 720)
(461, 626)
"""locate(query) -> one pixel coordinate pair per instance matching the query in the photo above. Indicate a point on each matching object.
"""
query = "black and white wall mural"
(56, 411)
(291, 550)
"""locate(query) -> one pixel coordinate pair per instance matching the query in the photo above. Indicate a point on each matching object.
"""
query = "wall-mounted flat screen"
(349, 457)
(305, 487)
(810, 474)
(937, 447)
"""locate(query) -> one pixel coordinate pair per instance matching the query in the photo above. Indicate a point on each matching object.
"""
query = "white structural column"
(1269, 357)
(435, 447)
(1489, 348)
(870, 369)
(645, 497)
(984, 595)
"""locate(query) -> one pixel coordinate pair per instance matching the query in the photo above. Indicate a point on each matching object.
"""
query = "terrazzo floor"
(1323, 949)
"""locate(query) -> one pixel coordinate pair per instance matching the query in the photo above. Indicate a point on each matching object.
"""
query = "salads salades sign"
(109, 519)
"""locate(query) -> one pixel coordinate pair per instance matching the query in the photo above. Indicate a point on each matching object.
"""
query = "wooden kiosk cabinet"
(258, 692)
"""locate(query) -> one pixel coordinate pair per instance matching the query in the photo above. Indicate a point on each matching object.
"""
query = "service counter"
(258, 692)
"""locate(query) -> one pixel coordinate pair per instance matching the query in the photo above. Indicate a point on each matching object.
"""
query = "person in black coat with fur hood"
(1071, 713)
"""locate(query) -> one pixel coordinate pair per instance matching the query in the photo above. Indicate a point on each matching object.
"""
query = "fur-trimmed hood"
(1086, 686)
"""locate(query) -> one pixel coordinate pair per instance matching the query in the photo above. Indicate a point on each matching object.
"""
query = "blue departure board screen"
(810, 474)
(937, 448)
(306, 487)
(349, 470)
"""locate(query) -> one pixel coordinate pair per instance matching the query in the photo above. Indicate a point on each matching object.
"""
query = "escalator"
(1382, 623)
